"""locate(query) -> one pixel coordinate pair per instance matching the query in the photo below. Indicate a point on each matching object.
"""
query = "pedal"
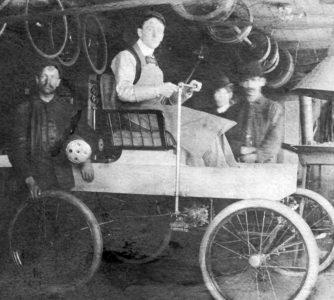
(179, 225)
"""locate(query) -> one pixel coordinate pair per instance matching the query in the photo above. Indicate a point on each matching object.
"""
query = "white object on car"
(78, 151)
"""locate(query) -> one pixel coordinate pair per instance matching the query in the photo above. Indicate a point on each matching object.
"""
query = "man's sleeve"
(273, 138)
(124, 69)
(18, 154)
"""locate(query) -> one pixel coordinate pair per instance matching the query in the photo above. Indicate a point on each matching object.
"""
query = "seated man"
(42, 125)
(200, 134)
(258, 134)
(223, 95)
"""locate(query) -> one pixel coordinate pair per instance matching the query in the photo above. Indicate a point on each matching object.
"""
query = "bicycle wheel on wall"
(247, 245)
(71, 52)
(318, 213)
(55, 242)
(47, 35)
(94, 43)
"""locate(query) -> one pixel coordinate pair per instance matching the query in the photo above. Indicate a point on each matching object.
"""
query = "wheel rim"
(90, 44)
(136, 230)
(260, 48)
(241, 256)
(51, 51)
(272, 61)
(190, 12)
(236, 28)
(71, 51)
(55, 246)
(283, 72)
(318, 213)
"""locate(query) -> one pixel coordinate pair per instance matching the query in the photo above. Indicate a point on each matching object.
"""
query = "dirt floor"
(175, 275)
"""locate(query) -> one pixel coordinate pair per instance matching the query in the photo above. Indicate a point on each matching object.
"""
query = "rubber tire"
(285, 75)
(272, 61)
(95, 235)
(265, 54)
(229, 7)
(328, 207)
(239, 37)
(40, 52)
(280, 208)
(104, 41)
(78, 46)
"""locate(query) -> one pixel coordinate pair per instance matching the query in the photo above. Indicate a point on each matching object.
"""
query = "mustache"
(47, 85)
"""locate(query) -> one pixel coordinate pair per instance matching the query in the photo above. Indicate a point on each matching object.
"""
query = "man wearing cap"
(258, 134)
(201, 132)
(42, 124)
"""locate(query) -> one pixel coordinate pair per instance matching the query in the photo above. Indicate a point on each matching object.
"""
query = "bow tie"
(151, 60)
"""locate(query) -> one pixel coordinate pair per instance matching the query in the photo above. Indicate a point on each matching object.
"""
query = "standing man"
(42, 125)
(201, 141)
(257, 137)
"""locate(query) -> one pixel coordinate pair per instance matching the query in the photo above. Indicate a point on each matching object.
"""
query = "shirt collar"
(147, 51)
(54, 99)
(221, 110)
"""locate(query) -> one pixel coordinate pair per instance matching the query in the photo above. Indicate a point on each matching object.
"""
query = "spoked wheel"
(55, 242)
(318, 213)
(47, 35)
(94, 43)
(137, 230)
(71, 51)
(249, 243)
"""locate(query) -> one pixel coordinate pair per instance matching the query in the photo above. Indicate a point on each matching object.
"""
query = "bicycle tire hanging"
(273, 59)
(204, 11)
(92, 44)
(235, 28)
(256, 47)
(54, 47)
(283, 72)
(71, 52)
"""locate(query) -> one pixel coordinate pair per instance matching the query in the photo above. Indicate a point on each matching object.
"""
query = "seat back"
(134, 129)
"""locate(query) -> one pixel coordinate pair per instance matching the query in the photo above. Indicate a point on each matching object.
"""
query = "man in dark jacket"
(42, 125)
(258, 134)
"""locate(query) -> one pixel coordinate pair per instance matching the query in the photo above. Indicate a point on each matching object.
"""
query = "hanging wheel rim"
(232, 27)
(222, 12)
(104, 44)
(72, 61)
(37, 49)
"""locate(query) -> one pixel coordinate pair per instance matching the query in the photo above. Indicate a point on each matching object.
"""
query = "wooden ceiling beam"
(98, 8)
